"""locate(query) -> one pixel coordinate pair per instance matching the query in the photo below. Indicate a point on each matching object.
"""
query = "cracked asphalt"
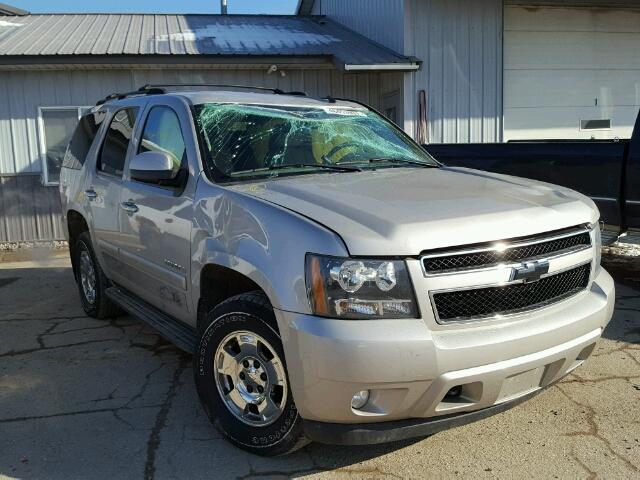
(86, 398)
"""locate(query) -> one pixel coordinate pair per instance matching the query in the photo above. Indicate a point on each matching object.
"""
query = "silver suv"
(334, 282)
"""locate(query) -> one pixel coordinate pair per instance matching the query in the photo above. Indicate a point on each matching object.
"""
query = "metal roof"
(64, 38)
(11, 10)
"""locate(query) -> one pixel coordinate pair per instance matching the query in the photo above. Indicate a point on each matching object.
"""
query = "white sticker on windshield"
(350, 112)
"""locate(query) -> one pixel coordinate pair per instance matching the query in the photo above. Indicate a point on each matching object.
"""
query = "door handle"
(91, 194)
(129, 207)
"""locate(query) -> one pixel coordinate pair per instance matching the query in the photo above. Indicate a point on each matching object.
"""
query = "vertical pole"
(223, 7)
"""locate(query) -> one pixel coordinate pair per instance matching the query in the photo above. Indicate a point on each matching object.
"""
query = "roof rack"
(140, 91)
(159, 89)
(277, 91)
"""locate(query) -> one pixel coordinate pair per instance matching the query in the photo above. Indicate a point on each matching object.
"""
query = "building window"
(390, 106)
(391, 113)
(56, 125)
(82, 140)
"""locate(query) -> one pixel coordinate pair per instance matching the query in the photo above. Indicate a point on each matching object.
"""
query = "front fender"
(260, 240)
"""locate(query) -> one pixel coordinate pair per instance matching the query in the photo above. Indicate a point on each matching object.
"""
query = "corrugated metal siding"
(460, 42)
(24, 91)
(379, 20)
(29, 211)
(221, 35)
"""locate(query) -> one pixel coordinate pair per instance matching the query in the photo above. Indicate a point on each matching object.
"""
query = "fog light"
(360, 399)
(454, 392)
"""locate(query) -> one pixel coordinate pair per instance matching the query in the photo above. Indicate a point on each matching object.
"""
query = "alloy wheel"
(251, 378)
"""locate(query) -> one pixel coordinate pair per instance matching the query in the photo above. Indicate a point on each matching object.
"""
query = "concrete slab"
(85, 398)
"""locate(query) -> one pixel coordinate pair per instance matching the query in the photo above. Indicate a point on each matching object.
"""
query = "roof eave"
(404, 64)
(305, 7)
(143, 60)
(382, 67)
(10, 10)
(201, 60)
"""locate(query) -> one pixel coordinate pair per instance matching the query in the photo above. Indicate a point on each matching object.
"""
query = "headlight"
(597, 243)
(353, 288)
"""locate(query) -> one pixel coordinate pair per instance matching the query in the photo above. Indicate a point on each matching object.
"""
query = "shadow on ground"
(625, 326)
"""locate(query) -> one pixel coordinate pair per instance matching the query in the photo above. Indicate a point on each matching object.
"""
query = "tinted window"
(116, 142)
(82, 138)
(162, 134)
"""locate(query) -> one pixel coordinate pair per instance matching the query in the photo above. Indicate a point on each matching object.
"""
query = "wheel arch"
(217, 283)
(76, 224)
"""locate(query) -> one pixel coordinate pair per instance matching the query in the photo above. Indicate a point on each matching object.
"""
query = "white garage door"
(571, 72)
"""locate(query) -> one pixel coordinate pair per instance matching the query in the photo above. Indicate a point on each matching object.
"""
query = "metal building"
(53, 67)
(445, 70)
(500, 70)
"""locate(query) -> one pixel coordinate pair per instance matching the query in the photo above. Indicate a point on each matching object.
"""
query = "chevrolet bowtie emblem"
(530, 271)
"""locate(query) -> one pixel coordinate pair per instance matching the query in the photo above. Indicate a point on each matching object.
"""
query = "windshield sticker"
(350, 112)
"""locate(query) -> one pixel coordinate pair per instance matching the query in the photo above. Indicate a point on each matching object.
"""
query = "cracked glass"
(241, 141)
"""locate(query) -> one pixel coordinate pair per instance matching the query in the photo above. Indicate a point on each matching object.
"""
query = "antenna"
(223, 7)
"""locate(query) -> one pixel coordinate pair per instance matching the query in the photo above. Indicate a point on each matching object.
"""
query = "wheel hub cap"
(250, 378)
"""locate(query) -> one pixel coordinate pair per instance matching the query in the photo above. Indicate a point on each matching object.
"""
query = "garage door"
(571, 72)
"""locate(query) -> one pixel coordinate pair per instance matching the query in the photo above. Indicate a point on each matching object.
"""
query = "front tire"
(241, 377)
(92, 282)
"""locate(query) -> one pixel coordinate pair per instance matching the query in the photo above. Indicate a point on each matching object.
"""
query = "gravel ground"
(86, 398)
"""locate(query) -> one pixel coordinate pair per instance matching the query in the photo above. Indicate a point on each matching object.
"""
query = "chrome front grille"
(494, 280)
(514, 251)
(476, 303)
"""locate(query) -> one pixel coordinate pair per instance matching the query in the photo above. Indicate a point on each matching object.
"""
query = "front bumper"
(375, 433)
(409, 367)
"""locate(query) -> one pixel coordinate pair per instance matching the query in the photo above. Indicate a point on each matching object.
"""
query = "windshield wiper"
(322, 166)
(338, 168)
(392, 160)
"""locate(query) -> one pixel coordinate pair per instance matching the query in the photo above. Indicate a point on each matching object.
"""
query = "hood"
(405, 211)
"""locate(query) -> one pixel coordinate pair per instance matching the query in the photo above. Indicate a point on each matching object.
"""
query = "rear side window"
(116, 142)
(82, 139)
(162, 133)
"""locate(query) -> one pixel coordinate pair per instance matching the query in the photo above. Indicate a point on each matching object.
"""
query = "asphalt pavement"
(83, 398)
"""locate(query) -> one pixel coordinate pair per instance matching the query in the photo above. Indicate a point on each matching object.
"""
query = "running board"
(180, 334)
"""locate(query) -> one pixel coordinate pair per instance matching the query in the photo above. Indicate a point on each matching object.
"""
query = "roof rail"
(277, 91)
(140, 91)
(161, 88)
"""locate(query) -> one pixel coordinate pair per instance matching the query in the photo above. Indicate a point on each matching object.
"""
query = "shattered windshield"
(241, 141)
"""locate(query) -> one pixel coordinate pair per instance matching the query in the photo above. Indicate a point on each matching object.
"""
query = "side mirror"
(151, 167)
